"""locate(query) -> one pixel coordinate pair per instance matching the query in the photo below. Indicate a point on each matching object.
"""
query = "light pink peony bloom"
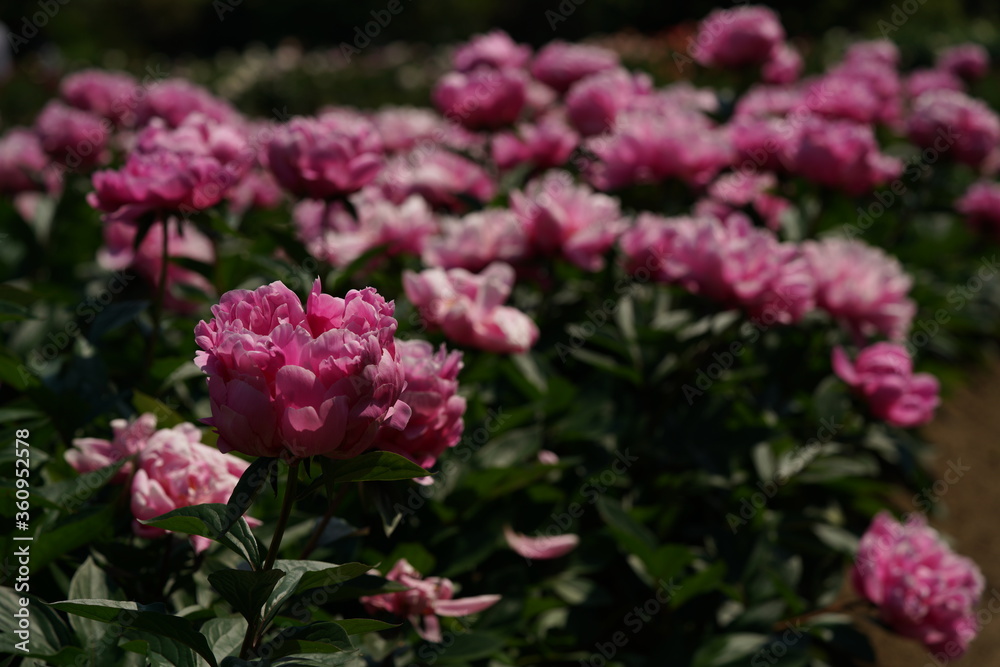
(861, 286)
(784, 65)
(763, 143)
(173, 100)
(405, 128)
(738, 189)
(432, 394)
(495, 49)
(23, 163)
(875, 51)
(257, 189)
(426, 599)
(543, 547)
(176, 470)
(198, 134)
(981, 207)
(74, 138)
(923, 589)
(883, 374)
(867, 91)
(562, 218)
(921, 81)
(441, 177)
(594, 102)
(544, 144)
(315, 381)
(957, 126)
(764, 101)
(548, 457)
(469, 308)
(966, 61)
(737, 37)
(730, 262)
(325, 157)
(128, 438)
(482, 98)
(561, 64)
(477, 239)
(334, 235)
(111, 95)
(119, 252)
(842, 155)
(164, 181)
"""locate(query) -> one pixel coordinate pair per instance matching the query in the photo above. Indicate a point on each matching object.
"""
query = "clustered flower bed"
(574, 369)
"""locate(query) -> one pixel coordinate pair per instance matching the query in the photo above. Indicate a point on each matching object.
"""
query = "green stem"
(161, 290)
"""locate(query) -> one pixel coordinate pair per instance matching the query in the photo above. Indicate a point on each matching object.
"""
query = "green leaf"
(728, 649)
(245, 591)
(378, 466)
(71, 494)
(360, 626)
(159, 650)
(210, 520)
(252, 481)
(69, 534)
(141, 617)
(323, 637)
(631, 535)
(91, 582)
(472, 646)
(304, 575)
(48, 631)
(225, 635)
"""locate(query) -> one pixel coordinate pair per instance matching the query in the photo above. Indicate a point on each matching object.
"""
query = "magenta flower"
(119, 252)
(198, 134)
(405, 128)
(494, 49)
(426, 599)
(469, 308)
(432, 394)
(738, 37)
(594, 103)
(738, 189)
(561, 64)
(477, 239)
(966, 61)
(173, 100)
(547, 143)
(922, 588)
(921, 81)
(763, 143)
(842, 155)
(730, 262)
(784, 65)
(176, 470)
(75, 138)
(128, 438)
(865, 91)
(334, 235)
(566, 219)
(957, 126)
(981, 207)
(883, 374)
(482, 98)
(441, 177)
(861, 286)
(325, 157)
(315, 381)
(875, 51)
(257, 189)
(23, 163)
(110, 95)
(542, 547)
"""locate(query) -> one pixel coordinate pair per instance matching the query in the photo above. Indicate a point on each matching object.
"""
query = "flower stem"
(161, 290)
(324, 522)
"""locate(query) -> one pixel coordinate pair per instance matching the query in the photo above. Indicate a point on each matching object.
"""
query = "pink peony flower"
(494, 49)
(540, 548)
(477, 239)
(966, 61)
(200, 135)
(74, 138)
(729, 261)
(325, 157)
(257, 189)
(405, 128)
(784, 65)
(921, 81)
(763, 143)
(737, 37)
(861, 286)
(922, 588)
(883, 374)
(957, 126)
(119, 252)
(432, 394)
(547, 143)
(441, 177)
(562, 218)
(842, 155)
(128, 438)
(482, 98)
(875, 51)
(176, 470)
(561, 64)
(594, 103)
(334, 235)
(764, 101)
(22, 162)
(173, 100)
(981, 207)
(866, 91)
(315, 381)
(425, 600)
(739, 189)
(110, 95)
(468, 307)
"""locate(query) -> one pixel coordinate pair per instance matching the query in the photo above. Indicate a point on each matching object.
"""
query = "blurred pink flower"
(405, 128)
(921, 81)
(959, 127)
(432, 394)
(540, 548)
(739, 189)
(469, 308)
(128, 438)
(981, 207)
(594, 102)
(883, 374)
(441, 177)
(315, 381)
(861, 286)
(74, 138)
(763, 144)
(425, 600)
(563, 218)
(494, 49)
(561, 64)
(923, 589)
(257, 189)
(482, 98)
(175, 470)
(547, 143)
(173, 100)
(784, 65)
(477, 239)
(875, 51)
(966, 61)
(739, 36)
(111, 95)
(23, 163)
(842, 155)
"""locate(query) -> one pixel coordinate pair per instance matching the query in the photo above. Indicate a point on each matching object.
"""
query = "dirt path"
(967, 433)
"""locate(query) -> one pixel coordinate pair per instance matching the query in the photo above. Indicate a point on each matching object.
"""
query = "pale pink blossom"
(482, 98)
(543, 547)
(784, 65)
(843, 155)
(957, 126)
(23, 163)
(173, 100)
(128, 439)
(495, 49)
(110, 95)
(737, 37)
(921, 81)
(561, 64)
(883, 374)
(594, 102)
(477, 239)
(441, 177)
(74, 138)
(547, 143)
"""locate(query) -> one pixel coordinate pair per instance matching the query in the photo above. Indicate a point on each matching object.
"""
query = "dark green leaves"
(211, 520)
(245, 591)
(377, 467)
